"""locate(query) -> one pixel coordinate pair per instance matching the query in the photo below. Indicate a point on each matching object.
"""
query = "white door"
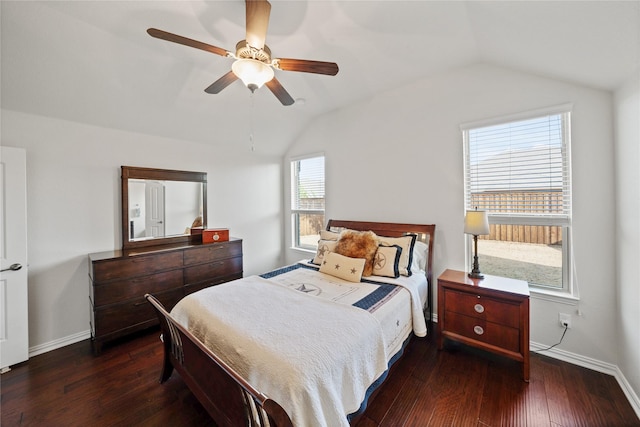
(14, 332)
(154, 205)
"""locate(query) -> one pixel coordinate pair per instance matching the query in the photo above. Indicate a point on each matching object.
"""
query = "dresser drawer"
(116, 317)
(122, 290)
(481, 307)
(211, 270)
(138, 265)
(212, 252)
(483, 331)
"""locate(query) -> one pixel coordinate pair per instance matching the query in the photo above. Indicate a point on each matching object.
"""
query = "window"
(307, 201)
(518, 171)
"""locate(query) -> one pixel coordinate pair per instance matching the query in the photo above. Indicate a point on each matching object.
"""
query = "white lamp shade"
(252, 72)
(476, 223)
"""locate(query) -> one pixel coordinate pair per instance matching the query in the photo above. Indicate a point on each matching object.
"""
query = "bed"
(309, 343)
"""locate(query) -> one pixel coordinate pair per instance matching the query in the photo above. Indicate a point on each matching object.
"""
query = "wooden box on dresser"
(490, 313)
(118, 281)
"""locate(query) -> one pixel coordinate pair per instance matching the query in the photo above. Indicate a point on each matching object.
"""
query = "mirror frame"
(131, 172)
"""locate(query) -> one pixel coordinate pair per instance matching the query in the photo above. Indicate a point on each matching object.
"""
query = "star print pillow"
(324, 247)
(387, 261)
(343, 267)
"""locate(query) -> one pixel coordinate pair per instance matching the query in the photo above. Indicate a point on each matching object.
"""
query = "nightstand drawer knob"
(479, 308)
(478, 330)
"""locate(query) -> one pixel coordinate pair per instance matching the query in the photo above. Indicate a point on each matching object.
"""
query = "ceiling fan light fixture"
(252, 72)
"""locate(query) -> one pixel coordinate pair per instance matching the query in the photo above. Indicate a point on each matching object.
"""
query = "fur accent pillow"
(359, 244)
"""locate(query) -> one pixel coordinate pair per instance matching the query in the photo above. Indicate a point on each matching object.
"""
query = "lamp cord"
(559, 342)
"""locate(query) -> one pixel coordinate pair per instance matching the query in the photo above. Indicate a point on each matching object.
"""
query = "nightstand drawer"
(481, 307)
(484, 331)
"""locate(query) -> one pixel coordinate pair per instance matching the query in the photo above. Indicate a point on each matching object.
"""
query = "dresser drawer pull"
(478, 330)
(479, 308)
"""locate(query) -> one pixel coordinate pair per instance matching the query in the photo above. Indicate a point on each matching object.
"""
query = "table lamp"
(476, 223)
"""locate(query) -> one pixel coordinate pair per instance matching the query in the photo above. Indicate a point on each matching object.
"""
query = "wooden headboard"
(425, 233)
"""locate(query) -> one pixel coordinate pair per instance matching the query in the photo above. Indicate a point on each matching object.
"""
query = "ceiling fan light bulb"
(252, 72)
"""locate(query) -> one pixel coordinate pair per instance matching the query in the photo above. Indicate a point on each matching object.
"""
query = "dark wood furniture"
(222, 392)
(120, 279)
(490, 313)
(137, 173)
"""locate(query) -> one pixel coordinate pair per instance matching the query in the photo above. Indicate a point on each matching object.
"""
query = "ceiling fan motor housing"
(245, 51)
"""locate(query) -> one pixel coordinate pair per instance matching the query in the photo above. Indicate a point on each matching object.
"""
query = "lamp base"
(476, 275)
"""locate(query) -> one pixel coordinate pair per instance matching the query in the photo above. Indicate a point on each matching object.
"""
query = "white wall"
(627, 175)
(73, 203)
(398, 157)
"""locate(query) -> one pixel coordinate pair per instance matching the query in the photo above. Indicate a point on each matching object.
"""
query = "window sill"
(554, 296)
(303, 250)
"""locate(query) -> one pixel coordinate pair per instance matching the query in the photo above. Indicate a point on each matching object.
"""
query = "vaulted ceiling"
(93, 62)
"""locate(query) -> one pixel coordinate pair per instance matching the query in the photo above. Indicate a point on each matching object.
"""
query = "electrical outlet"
(564, 319)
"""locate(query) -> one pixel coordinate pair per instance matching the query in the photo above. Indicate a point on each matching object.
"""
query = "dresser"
(118, 281)
(490, 313)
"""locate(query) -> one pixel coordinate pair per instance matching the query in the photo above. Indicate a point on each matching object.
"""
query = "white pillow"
(387, 260)
(324, 247)
(329, 235)
(420, 256)
(343, 267)
(406, 243)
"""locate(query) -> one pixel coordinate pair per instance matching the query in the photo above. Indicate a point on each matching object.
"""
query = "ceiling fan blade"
(279, 91)
(257, 22)
(159, 34)
(221, 83)
(307, 66)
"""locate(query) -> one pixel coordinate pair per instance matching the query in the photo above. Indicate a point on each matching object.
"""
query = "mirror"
(160, 206)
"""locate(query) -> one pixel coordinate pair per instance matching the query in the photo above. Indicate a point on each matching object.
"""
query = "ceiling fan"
(253, 62)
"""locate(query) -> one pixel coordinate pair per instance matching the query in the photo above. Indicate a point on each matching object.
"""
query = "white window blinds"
(308, 184)
(520, 167)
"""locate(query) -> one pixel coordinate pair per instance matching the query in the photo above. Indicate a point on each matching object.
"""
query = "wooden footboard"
(227, 397)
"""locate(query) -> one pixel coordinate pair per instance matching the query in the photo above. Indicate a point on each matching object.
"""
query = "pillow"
(420, 256)
(406, 243)
(324, 246)
(343, 267)
(387, 260)
(329, 235)
(358, 244)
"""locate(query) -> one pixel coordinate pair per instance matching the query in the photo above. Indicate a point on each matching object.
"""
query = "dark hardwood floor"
(455, 387)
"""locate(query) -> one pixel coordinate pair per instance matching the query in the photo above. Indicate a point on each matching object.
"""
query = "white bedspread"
(340, 349)
(416, 284)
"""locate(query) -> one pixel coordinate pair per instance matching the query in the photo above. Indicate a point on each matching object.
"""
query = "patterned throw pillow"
(324, 247)
(343, 267)
(387, 260)
(406, 243)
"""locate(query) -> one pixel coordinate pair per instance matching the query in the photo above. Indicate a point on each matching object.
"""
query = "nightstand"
(491, 314)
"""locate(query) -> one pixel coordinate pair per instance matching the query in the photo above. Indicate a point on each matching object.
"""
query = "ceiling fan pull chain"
(251, 114)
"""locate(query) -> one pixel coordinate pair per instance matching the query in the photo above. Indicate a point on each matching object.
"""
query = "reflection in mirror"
(161, 206)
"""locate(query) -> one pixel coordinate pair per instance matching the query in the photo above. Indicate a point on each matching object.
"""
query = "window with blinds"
(519, 172)
(307, 201)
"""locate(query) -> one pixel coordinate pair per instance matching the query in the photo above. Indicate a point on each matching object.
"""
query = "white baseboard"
(595, 365)
(59, 343)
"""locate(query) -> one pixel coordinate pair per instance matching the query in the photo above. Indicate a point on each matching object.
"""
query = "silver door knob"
(12, 267)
